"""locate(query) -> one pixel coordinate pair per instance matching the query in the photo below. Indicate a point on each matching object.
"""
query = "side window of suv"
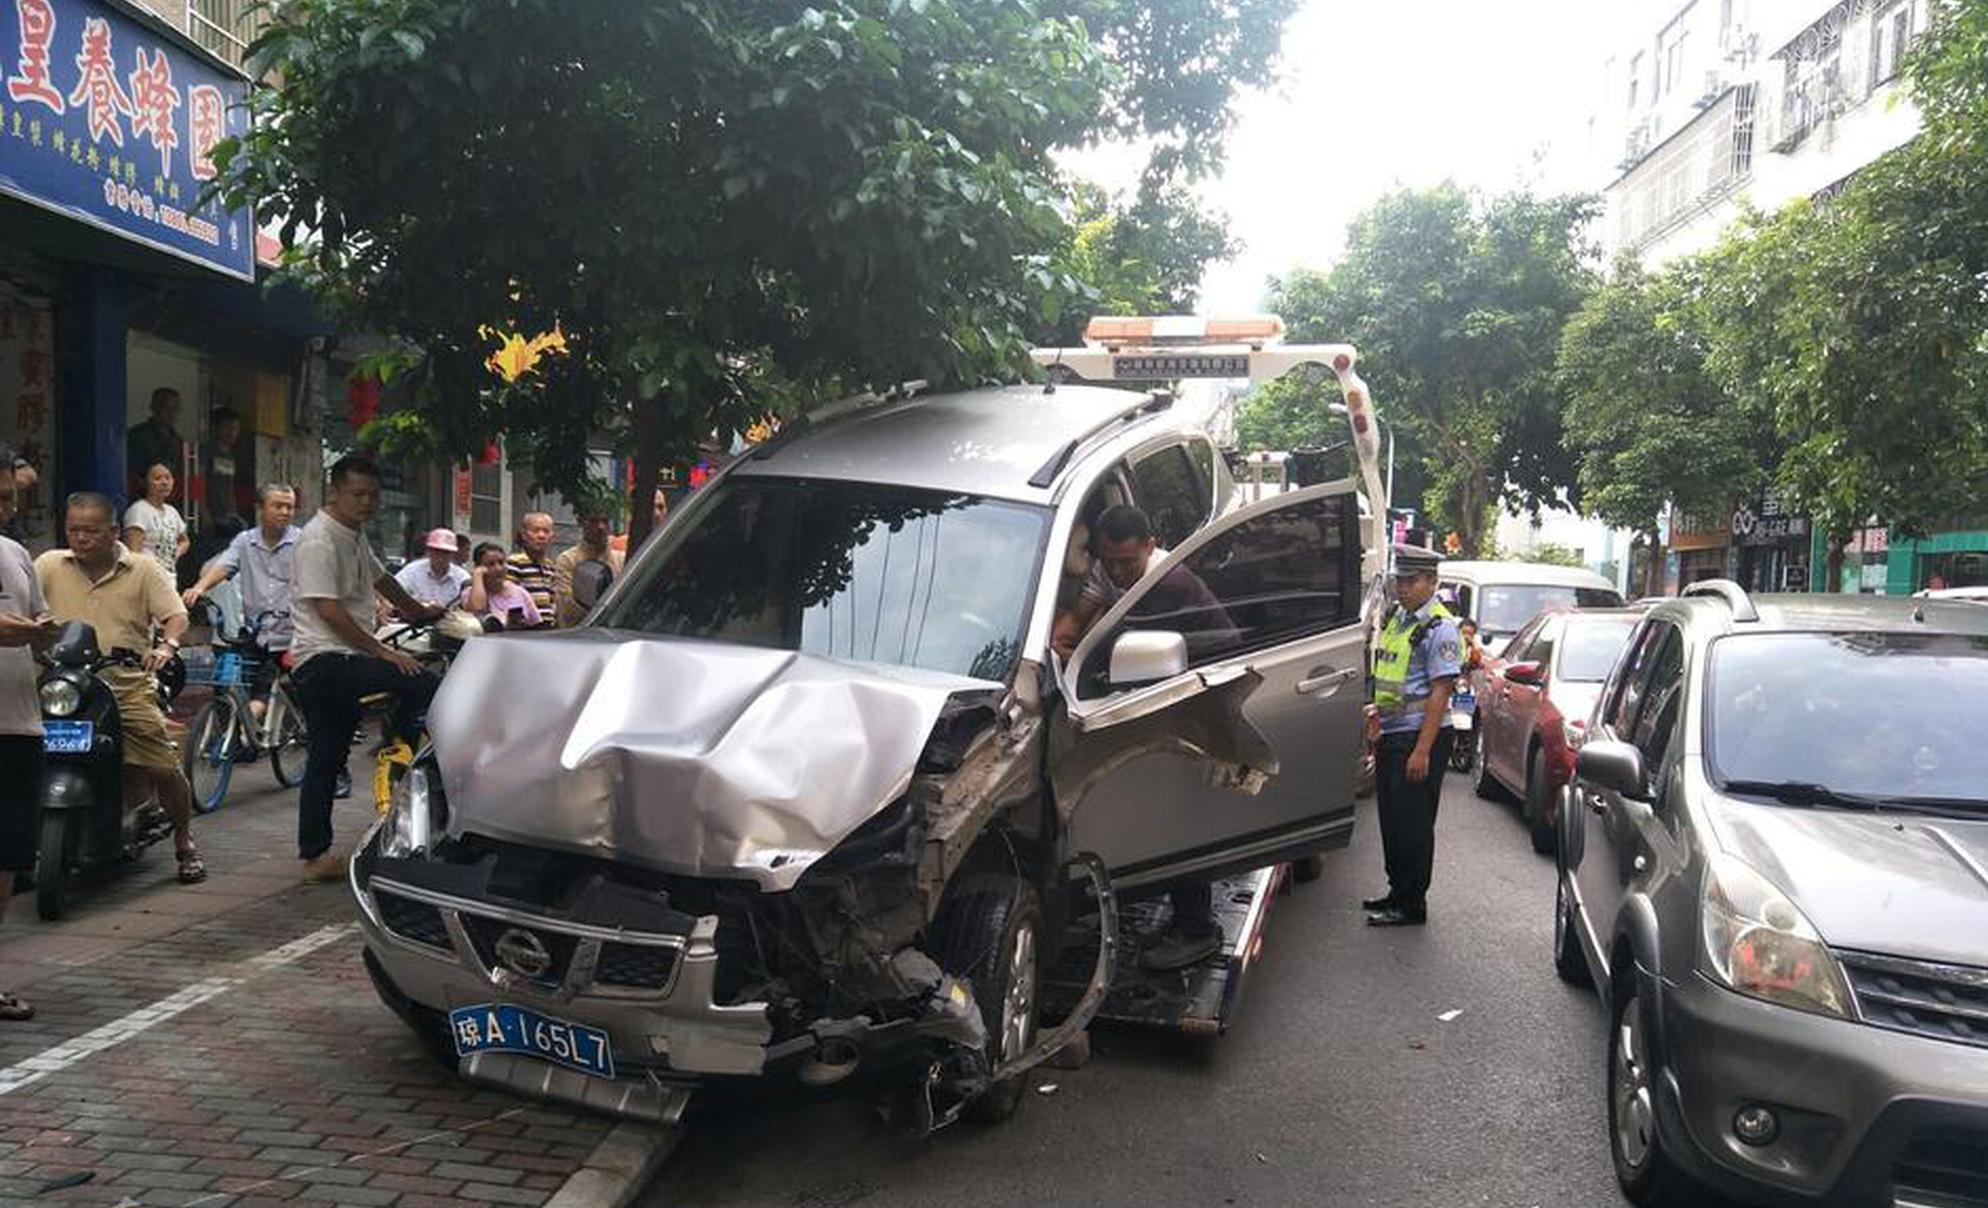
(1623, 690)
(1657, 708)
(1171, 495)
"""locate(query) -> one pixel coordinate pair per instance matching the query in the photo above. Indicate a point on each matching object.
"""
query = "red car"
(1543, 686)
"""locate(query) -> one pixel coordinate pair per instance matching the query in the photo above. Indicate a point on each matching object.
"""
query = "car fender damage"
(1210, 726)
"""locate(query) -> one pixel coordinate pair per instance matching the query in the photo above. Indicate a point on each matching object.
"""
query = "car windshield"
(1588, 648)
(1854, 714)
(849, 570)
(1506, 607)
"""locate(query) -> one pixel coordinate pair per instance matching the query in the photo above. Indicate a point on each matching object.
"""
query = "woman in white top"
(153, 526)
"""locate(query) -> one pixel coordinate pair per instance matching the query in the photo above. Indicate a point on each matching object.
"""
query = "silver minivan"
(809, 792)
(1502, 596)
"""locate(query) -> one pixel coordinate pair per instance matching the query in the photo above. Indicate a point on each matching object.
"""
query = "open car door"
(1212, 717)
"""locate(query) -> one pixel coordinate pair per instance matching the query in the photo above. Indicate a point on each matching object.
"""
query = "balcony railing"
(225, 27)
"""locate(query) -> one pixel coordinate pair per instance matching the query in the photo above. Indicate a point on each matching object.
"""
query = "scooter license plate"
(1460, 721)
(508, 1028)
(68, 737)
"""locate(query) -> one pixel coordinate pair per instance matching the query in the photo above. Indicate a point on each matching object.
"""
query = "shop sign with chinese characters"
(109, 121)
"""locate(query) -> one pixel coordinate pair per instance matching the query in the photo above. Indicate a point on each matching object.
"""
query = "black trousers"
(1408, 814)
(328, 689)
(21, 766)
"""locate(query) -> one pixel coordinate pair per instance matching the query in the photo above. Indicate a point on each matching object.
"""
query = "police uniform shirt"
(1439, 655)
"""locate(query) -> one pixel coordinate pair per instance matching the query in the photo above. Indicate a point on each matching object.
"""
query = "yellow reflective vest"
(1400, 635)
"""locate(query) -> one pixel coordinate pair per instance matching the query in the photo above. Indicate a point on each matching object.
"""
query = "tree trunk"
(649, 428)
(1833, 564)
(1653, 573)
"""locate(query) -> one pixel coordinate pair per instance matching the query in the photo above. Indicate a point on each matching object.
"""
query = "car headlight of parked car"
(410, 820)
(60, 697)
(1757, 943)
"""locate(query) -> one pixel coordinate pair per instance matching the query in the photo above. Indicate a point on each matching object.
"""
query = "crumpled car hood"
(691, 757)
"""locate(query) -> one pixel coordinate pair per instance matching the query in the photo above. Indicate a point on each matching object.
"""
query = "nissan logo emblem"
(523, 953)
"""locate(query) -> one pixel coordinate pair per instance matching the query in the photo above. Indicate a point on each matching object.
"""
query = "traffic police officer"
(1416, 664)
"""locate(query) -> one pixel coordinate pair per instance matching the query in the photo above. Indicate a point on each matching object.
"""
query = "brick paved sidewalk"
(220, 1045)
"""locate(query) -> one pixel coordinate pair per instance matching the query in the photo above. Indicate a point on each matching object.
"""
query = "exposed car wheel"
(1568, 960)
(55, 857)
(1487, 785)
(1647, 1175)
(992, 937)
(1538, 812)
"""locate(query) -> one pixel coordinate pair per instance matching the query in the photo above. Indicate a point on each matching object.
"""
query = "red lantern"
(362, 401)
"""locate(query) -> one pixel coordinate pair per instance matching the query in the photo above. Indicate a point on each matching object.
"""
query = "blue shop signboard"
(107, 120)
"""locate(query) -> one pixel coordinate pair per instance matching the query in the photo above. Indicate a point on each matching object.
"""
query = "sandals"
(192, 870)
(14, 1007)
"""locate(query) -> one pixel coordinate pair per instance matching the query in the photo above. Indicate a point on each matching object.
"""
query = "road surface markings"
(1449, 1015)
(117, 1031)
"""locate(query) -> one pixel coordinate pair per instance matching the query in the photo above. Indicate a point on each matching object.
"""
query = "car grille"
(484, 933)
(636, 966)
(1947, 1166)
(417, 921)
(1944, 1002)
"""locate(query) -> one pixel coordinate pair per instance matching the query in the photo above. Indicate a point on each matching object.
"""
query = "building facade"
(1709, 107)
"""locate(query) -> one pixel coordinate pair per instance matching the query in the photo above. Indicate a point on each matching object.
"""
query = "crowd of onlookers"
(308, 598)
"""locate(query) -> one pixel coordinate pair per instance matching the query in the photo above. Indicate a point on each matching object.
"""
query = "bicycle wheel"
(288, 744)
(209, 756)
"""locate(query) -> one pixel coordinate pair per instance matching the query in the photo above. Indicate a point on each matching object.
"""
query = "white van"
(1502, 596)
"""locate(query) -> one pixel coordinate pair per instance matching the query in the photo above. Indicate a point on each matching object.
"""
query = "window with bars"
(226, 27)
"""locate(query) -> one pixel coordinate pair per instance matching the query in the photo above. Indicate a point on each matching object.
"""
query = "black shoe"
(344, 788)
(1183, 945)
(1380, 903)
(1398, 916)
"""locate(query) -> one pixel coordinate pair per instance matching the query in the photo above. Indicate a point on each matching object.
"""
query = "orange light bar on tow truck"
(1168, 331)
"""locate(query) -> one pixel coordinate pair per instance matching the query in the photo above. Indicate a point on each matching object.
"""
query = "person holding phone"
(494, 595)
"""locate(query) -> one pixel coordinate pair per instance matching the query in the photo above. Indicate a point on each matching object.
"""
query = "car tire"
(1488, 787)
(1646, 1174)
(991, 937)
(1539, 825)
(1568, 959)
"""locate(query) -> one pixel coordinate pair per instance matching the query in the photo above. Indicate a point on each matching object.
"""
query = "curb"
(619, 1168)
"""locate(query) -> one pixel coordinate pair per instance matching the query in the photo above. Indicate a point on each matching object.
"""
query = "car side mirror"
(1615, 766)
(1532, 675)
(1147, 656)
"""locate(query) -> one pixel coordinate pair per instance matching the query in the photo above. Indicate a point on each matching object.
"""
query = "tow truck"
(1203, 999)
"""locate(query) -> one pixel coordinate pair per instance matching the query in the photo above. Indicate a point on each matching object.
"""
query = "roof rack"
(1140, 406)
(1732, 593)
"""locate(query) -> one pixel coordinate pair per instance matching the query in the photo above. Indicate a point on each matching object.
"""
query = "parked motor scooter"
(85, 822)
(1463, 723)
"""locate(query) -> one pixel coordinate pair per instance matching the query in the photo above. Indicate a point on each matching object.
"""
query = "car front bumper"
(1867, 1116)
(662, 1036)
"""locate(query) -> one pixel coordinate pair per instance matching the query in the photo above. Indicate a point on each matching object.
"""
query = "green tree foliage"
(1145, 258)
(729, 208)
(1456, 304)
(1648, 425)
(1857, 324)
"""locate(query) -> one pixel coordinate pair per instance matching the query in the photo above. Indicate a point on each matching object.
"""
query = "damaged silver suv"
(809, 793)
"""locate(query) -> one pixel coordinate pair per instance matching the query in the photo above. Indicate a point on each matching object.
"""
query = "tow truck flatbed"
(1199, 1000)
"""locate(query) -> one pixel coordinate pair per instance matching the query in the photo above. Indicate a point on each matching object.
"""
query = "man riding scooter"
(123, 596)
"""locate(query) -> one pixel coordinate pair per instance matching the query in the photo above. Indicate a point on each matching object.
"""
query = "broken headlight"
(410, 823)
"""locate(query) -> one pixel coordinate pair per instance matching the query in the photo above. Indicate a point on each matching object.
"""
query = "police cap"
(1415, 560)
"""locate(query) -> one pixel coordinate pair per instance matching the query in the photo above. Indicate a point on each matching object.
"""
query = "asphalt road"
(1338, 1084)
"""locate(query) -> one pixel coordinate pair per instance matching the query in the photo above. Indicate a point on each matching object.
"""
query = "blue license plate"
(1463, 700)
(68, 737)
(507, 1028)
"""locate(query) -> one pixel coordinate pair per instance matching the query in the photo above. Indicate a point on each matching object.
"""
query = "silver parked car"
(809, 793)
(1775, 867)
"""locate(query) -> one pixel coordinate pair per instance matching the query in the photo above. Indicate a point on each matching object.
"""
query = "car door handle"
(1324, 681)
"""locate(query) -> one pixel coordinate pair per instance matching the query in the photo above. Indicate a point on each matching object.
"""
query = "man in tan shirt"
(593, 547)
(122, 596)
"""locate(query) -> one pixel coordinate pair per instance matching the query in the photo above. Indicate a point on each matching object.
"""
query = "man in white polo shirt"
(338, 659)
(437, 578)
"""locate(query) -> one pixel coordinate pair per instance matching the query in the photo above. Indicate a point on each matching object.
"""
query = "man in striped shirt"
(531, 566)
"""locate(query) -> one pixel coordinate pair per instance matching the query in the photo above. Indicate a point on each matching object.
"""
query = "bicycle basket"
(226, 671)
